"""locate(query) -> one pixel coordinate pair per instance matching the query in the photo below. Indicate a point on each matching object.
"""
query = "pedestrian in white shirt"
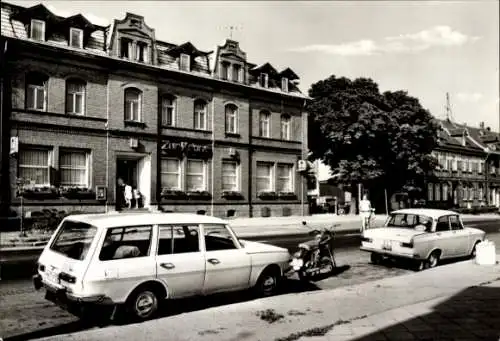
(128, 195)
(365, 210)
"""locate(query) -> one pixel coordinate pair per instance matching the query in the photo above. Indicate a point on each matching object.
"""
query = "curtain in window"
(170, 173)
(285, 127)
(229, 176)
(284, 183)
(73, 169)
(34, 166)
(264, 172)
(195, 175)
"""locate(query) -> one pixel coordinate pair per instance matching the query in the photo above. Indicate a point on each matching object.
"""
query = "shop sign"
(170, 147)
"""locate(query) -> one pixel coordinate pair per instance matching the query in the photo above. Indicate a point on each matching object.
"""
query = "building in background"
(90, 104)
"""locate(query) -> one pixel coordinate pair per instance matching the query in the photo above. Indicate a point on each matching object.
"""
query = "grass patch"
(270, 315)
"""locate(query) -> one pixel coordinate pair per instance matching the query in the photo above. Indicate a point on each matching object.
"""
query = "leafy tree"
(381, 140)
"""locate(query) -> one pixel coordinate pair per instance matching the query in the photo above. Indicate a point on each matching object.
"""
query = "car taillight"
(67, 278)
(365, 239)
(408, 245)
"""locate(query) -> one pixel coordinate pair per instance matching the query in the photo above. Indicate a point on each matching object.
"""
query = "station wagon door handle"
(213, 261)
(167, 266)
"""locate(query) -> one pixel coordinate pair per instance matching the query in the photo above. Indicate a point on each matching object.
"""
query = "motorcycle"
(315, 256)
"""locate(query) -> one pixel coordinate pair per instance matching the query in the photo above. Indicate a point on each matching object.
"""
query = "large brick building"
(469, 167)
(85, 104)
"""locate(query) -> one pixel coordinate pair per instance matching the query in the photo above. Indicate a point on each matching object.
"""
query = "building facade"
(88, 104)
(468, 174)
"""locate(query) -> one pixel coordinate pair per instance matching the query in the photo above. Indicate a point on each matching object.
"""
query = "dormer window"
(141, 54)
(264, 80)
(125, 48)
(37, 30)
(237, 73)
(185, 62)
(224, 67)
(284, 84)
(76, 37)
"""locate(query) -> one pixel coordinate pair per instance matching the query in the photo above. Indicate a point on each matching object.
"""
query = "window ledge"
(187, 129)
(273, 139)
(135, 124)
(237, 135)
(65, 115)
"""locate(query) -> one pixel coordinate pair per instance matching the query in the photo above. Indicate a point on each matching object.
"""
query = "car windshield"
(409, 220)
(73, 239)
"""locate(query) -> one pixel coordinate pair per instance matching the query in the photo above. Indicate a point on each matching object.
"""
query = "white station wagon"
(423, 235)
(134, 260)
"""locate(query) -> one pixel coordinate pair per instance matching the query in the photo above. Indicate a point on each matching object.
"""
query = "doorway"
(135, 171)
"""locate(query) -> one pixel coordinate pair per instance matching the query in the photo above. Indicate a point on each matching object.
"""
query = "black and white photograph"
(250, 170)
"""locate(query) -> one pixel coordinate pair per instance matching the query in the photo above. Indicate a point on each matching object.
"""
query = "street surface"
(24, 314)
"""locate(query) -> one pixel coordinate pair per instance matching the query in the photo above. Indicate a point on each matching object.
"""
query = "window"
(443, 224)
(224, 66)
(126, 242)
(230, 176)
(76, 37)
(471, 193)
(195, 175)
(125, 48)
(437, 192)
(73, 167)
(185, 62)
(178, 239)
(75, 97)
(285, 127)
(34, 166)
(465, 165)
(445, 192)
(36, 91)
(469, 167)
(218, 237)
(264, 118)
(231, 118)
(168, 111)
(133, 105)
(37, 30)
(73, 239)
(430, 192)
(285, 183)
(480, 167)
(481, 193)
(141, 52)
(455, 223)
(171, 174)
(284, 84)
(200, 115)
(236, 73)
(264, 80)
(264, 177)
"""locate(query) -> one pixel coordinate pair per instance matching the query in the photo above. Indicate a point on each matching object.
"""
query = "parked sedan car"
(135, 260)
(425, 236)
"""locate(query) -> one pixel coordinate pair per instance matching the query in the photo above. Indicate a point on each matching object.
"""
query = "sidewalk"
(460, 301)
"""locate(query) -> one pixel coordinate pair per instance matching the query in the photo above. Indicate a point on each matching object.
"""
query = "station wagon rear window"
(73, 239)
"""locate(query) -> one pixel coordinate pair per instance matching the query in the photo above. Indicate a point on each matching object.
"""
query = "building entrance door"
(127, 170)
(135, 171)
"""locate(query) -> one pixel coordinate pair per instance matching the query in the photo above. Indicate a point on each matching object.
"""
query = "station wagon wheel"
(375, 258)
(143, 304)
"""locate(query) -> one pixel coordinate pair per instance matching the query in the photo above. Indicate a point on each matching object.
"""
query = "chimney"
(481, 125)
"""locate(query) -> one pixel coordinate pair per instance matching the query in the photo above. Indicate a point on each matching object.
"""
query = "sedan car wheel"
(143, 304)
(433, 260)
(267, 285)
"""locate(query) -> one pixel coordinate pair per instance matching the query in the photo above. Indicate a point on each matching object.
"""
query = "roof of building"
(475, 138)
(106, 220)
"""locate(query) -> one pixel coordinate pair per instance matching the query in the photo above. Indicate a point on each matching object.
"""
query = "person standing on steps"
(120, 194)
(365, 210)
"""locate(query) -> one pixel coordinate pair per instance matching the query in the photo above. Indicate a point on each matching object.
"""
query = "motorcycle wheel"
(327, 261)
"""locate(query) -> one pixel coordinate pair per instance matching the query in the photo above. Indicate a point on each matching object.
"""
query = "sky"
(427, 48)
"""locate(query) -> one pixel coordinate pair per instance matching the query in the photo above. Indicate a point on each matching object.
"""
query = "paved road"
(25, 315)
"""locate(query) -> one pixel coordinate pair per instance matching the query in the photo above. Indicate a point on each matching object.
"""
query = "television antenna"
(449, 113)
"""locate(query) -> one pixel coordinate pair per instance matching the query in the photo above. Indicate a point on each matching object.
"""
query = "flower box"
(40, 193)
(77, 193)
(199, 195)
(267, 195)
(232, 195)
(173, 194)
(287, 195)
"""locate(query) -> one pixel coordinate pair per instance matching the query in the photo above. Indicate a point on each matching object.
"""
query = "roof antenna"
(449, 114)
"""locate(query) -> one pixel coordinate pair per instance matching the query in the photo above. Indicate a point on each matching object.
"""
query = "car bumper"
(67, 300)
(391, 254)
